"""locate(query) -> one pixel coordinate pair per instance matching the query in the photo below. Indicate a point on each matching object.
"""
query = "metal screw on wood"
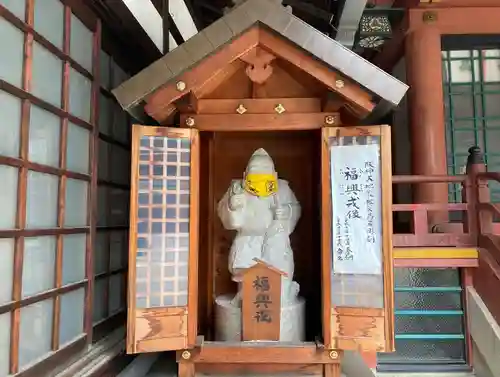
(429, 16)
(181, 86)
(279, 108)
(190, 122)
(334, 355)
(241, 109)
(339, 84)
(186, 355)
(330, 119)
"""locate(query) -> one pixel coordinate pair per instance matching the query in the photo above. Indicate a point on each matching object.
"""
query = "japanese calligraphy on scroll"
(261, 302)
(356, 209)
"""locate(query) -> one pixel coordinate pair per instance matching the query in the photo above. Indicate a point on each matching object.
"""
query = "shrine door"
(357, 259)
(163, 251)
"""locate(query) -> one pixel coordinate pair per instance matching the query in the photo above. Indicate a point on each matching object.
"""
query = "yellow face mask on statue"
(261, 184)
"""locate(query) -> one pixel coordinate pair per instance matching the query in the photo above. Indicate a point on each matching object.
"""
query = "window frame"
(26, 25)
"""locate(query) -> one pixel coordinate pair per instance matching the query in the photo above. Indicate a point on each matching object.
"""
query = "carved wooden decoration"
(259, 67)
(261, 302)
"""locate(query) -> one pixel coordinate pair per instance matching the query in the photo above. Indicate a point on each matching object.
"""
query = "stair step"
(430, 374)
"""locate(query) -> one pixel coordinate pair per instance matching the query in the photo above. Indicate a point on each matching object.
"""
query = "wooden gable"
(265, 51)
(258, 64)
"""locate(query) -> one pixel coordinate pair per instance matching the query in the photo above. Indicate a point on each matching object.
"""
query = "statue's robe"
(259, 235)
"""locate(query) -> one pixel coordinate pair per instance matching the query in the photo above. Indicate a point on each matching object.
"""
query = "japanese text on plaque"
(262, 300)
(356, 196)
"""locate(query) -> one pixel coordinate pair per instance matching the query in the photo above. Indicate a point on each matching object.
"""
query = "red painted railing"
(423, 233)
(477, 228)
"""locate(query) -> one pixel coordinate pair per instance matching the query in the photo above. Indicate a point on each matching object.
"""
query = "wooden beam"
(259, 122)
(333, 80)
(436, 263)
(259, 105)
(163, 8)
(432, 240)
(196, 77)
(307, 353)
(436, 253)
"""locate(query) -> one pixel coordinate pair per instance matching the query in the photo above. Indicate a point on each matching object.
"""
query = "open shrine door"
(357, 265)
(163, 251)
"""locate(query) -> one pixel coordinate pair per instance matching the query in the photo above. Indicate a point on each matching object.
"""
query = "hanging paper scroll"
(356, 208)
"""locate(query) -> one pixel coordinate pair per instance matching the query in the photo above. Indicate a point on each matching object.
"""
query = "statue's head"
(260, 177)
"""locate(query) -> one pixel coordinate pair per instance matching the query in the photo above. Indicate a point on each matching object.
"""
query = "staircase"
(472, 246)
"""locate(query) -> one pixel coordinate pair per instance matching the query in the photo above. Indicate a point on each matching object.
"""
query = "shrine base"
(263, 359)
(228, 320)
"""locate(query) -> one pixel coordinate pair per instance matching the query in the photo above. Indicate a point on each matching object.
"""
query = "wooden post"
(261, 302)
(476, 191)
(472, 194)
(427, 127)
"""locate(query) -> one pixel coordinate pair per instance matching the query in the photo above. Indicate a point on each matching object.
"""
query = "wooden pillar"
(426, 111)
(476, 191)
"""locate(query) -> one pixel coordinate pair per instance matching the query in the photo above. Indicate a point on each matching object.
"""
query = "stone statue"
(264, 211)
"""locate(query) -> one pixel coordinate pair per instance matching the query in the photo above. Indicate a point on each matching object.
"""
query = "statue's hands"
(237, 201)
(237, 197)
(283, 212)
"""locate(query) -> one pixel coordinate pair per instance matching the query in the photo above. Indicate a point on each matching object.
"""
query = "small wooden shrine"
(259, 86)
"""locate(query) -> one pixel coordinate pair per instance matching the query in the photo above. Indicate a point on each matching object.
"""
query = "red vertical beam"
(92, 193)
(21, 193)
(420, 222)
(426, 104)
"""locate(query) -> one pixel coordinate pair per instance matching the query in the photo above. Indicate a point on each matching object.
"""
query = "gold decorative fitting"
(429, 16)
(190, 122)
(334, 355)
(181, 86)
(186, 355)
(330, 119)
(339, 84)
(279, 108)
(241, 109)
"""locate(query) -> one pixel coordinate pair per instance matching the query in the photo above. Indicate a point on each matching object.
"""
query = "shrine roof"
(271, 13)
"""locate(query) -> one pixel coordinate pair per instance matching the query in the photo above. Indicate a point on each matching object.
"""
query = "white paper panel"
(11, 54)
(356, 221)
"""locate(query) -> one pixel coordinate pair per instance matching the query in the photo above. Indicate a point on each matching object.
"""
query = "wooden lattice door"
(163, 253)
